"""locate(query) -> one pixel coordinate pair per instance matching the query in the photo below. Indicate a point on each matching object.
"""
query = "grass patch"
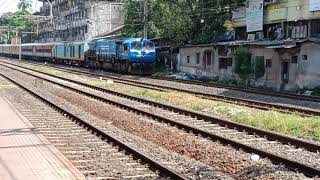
(291, 124)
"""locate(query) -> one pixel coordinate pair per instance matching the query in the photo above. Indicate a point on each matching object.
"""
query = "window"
(208, 57)
(198, 58)
(294, 59)
(136, 45)
(223, 51)
(268, 63)
(305, 57)
(148, 45)
(188, 59)
(223, 63)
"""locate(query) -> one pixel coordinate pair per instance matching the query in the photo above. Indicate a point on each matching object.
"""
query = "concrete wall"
(301, 74)
(308, 71)
(203, 68)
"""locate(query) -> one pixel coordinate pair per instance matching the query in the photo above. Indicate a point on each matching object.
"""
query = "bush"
(243, 63)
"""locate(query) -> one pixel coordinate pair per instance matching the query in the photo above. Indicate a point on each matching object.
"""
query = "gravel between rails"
(230, 93)
(211, 90)
(291, 152)
(203, 148)
(218, 91)
(95, 158)
(191, 168)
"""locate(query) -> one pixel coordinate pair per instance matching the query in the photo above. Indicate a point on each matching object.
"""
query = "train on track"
(135, 55)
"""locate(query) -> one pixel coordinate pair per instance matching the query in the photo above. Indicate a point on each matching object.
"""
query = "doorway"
(285, 71)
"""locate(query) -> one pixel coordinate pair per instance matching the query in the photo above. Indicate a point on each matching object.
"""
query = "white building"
(78, 20)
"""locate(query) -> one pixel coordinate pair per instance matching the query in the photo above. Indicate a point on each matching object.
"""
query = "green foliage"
(19, 20)
(259, 67)
(243, 63)
(16, 21)
(24, 5)
(179, 22)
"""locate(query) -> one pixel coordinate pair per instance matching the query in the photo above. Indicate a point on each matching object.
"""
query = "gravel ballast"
(146, 128)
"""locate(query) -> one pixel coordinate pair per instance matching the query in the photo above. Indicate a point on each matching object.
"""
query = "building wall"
(203, 68)
(304, 73)
(79, 23)
(303, 65)
(295, 10)
(308, 70)
(270, 78)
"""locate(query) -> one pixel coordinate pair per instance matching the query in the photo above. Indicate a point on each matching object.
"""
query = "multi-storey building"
(283, 37)
(278, 19)
(77, 20)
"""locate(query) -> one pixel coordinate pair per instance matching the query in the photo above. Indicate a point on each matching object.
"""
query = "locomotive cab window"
(148, 45)
(136, 45)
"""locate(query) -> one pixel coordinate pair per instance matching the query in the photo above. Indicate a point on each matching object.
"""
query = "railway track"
(239, 101)
(225, 131)
(299, 97)
(88, 147)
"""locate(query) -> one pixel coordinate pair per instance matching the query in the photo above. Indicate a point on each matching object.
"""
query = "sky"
(11, 5)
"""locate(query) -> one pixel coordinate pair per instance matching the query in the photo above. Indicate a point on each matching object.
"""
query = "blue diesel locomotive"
(122, 55)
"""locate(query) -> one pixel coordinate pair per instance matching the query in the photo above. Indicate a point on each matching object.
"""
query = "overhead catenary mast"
(145, 19)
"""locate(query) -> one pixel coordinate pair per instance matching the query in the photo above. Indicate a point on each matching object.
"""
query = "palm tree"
(24, 5)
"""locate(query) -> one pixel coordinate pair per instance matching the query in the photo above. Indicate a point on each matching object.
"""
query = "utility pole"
(19, 38)
(145, 19)
(51, 11)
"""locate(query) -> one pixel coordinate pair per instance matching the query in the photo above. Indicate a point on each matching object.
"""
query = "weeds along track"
(295, 153)
(299, 97)
(96, 154)
(264, 102)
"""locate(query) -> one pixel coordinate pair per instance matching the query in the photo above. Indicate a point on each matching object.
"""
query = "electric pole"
(145, 19)
(18, 38)
(51, 11)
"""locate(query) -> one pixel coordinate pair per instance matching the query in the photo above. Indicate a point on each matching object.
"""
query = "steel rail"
(310, 98)
(294, 165)
(223, 122)
(239, 101)
(136, 153)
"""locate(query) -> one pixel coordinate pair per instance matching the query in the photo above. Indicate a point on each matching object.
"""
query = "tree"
(24, 5)
(180, 22)
(244, 67)
(20, 20)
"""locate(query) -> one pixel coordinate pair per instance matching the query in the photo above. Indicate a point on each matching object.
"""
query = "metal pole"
(8, 37)
(19, 45)
(51, 11)
(145, 19)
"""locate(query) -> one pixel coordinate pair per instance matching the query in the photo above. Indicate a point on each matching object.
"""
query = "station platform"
(26, 154)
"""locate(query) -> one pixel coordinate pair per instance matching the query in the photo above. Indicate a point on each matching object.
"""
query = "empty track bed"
(302, 155)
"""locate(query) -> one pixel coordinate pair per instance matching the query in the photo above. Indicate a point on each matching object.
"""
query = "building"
(78, 20)
(282, 35)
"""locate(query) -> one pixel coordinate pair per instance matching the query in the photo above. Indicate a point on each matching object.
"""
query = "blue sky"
(11, 5)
